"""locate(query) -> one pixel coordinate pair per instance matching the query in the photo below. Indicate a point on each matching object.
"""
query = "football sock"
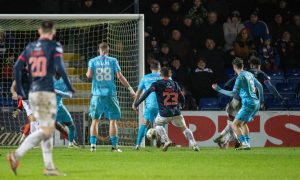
(47, 146)
(93, 140)
(114, 141)
(71, 135)
(242, 139)
(189, 135)
(141, 134)
(26, 128)
(226, 130)
(163, 134)
(61, 129)
(31, 141)
(247, 138)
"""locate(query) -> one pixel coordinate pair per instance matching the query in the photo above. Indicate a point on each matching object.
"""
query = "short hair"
(238, 62)
(154, 65)
(255, 61)
(104, 46)
(47, 26)
(200, 58)
(165, 72)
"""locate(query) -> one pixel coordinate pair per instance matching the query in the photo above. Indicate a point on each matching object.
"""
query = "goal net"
(80, 36)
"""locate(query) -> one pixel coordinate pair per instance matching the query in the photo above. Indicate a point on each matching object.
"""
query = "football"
(151, 134)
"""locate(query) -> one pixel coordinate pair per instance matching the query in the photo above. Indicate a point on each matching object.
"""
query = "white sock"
(163, 134)
(47, 146)
(226, 130)
(189, 135)
(31, 141)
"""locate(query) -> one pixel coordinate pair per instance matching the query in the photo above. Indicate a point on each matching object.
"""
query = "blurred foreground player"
(43, 58)
(169, 97)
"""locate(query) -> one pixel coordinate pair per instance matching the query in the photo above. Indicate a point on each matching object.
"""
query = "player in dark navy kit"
(44, 58)
(169, 97)
(235, 104)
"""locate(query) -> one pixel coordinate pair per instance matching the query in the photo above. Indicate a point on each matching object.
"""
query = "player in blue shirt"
(103, 69)
(63, 116)
(151, 107)
(44, 58)
(245, 85)
(169, 97)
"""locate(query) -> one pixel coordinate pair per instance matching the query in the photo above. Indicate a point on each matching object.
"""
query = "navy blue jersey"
(25, 81)
(168, 95)
(44, 58)
(261, 76)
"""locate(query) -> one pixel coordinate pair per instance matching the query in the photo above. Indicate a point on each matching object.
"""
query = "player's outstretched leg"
(226, 132)
(190, 137)
(61, 129)
(164, 137)
(141, 134)
(72, 134)
(26, 131)
(31, 141)
(113, 133)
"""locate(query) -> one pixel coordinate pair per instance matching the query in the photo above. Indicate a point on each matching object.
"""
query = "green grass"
(151, 163)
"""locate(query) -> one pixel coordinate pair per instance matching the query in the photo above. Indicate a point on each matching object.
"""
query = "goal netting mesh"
(80, 39)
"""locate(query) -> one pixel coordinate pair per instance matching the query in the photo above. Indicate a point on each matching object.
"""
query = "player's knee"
(47, 131)
(31, 118)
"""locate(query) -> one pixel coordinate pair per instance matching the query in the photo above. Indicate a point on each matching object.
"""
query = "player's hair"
(47, 27)
(104, 46)
(154, 65)
(238, 62)
(166, 72)
(255, 61)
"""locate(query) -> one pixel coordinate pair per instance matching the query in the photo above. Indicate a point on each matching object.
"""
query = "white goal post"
(80, 35)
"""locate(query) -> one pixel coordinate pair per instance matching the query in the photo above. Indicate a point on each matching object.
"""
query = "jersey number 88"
(103, 74)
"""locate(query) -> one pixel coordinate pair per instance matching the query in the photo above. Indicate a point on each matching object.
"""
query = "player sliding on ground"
(103, 69)
(234, 106)
(169, 97)
(151, 107)
(43, 58)
(63, 116)
(245, 86)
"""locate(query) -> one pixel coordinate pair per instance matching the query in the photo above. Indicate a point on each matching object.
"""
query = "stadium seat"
(276, 81)
(286, 88)
(209, 104)
(6, 102)
(295, 82)
(277, 75)
(293, 73)
(229, 72)
(294, 105)
(223, 100)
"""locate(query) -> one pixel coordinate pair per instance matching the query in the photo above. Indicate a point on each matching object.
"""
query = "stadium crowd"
(199, 38)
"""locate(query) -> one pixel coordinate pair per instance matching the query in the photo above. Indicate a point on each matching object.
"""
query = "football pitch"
(152, 163)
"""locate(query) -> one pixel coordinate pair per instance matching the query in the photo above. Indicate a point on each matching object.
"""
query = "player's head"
(238, 64)
(165, 72)
(154, 65)
(47, 29)
(255, 62)
(103, 48)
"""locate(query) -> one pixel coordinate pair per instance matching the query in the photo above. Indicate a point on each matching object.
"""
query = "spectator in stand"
(7, 68)
(258, 28)
(202, 78)
(180, 73)
(154, 46)
(164, 29)
(198, 13)
(164, 56)
(284, 9)
(219, 6)
(269, 56)
(176, 13)
(215, 59)
(213, 29)
(180, 46)
(154, 16)
(277, 26)
(190, 32)
(88, 7)
(294, 29)
(287, 50)
(243, 45)
(231, 29)
(148, 38)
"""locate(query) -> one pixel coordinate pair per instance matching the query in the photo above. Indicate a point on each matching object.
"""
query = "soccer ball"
(151, 134)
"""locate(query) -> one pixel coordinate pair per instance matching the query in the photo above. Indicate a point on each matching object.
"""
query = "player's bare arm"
(89, 73)
(125, 83)
(13, 91)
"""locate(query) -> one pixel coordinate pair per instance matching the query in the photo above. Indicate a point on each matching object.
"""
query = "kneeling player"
(169, 97)
(63, 116)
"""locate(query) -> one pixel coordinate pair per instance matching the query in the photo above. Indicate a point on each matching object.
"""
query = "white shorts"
(27, 107)
(43, 105)
(177, 121)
